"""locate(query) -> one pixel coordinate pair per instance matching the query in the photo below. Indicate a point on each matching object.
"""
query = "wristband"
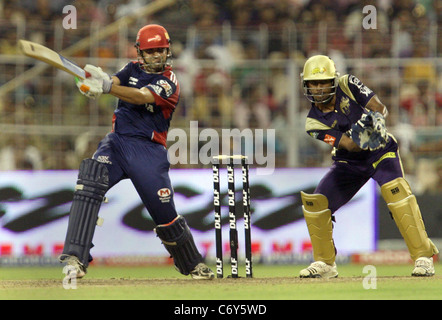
(107, 85)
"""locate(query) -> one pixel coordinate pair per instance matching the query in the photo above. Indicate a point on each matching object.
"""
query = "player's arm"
(322, 132)
(99, 82)
(129, 94)
(375, 104)
(348, 144)
(363, 95)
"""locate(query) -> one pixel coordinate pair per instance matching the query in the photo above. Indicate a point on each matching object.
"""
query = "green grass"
(164, 283)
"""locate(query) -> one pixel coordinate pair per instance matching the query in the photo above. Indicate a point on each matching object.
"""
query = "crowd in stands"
(413, 18)
(293, 29)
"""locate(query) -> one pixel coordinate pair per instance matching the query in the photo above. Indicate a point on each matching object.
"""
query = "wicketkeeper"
(350, 117)
(148, 92)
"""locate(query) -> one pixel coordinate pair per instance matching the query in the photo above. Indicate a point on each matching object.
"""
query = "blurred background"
(238, 62)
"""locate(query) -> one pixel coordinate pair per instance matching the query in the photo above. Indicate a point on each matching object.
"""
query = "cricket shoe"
(319, 269)
(73, 268)
(202, 272)
(423, 267)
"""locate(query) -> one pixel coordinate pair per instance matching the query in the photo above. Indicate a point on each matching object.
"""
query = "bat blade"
(42, 53)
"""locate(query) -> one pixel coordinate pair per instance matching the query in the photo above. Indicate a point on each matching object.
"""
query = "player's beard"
(153, 64)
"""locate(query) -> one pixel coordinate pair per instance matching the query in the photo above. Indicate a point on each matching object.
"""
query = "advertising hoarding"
(34, 207)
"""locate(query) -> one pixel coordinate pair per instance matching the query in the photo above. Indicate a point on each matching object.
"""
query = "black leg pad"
(178, 240)
(92, 185)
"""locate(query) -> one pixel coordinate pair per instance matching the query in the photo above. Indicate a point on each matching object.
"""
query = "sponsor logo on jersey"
(133, 81)
(362, 88)
(104, 159)
(149, 107)
(329, 139)
(158, 90)
(162, 88)
(166, 86)
(164, 195)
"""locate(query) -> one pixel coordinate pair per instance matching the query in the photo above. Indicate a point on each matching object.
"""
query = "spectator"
(310, 22)
(421, 103)
(439, 176)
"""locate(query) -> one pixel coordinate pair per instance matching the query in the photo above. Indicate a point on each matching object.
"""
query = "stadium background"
(234, 58)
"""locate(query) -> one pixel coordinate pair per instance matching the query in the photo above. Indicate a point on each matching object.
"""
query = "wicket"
(233, 233)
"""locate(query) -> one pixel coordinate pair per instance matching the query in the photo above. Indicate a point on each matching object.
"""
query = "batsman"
(148, 93)
(350, 117)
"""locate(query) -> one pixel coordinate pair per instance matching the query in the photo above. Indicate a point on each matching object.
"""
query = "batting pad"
(319, 224)
(178, 240)
(408, 218)
(91, 187)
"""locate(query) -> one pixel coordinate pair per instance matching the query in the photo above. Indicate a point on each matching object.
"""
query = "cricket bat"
(42, 53)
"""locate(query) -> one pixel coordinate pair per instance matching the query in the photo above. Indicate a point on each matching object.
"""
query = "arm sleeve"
(165, 93)
(124, 73)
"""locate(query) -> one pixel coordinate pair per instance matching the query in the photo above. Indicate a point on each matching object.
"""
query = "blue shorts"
(146, 164)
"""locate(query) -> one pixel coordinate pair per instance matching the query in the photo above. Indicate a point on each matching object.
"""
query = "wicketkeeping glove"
(379, 124)
(370, 133)
(96, 82)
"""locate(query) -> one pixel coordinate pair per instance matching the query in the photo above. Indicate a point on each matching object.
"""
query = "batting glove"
(91, 88)
(98, 74)
(96, 82)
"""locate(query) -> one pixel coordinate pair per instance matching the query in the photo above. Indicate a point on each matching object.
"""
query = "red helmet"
(152, 36)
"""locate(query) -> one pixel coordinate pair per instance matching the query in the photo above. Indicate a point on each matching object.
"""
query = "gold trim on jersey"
(390, 155)
(343, 84)
(313, 124)
(398, 153)
(384, 156)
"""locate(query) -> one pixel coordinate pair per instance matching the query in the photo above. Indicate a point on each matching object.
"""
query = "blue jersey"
(147, 121)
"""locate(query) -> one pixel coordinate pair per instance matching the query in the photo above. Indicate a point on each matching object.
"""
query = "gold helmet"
(319, 68)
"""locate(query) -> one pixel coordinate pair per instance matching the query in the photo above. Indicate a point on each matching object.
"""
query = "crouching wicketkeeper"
(350, 117)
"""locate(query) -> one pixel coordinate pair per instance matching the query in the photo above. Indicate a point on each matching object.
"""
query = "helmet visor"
(319, 93)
